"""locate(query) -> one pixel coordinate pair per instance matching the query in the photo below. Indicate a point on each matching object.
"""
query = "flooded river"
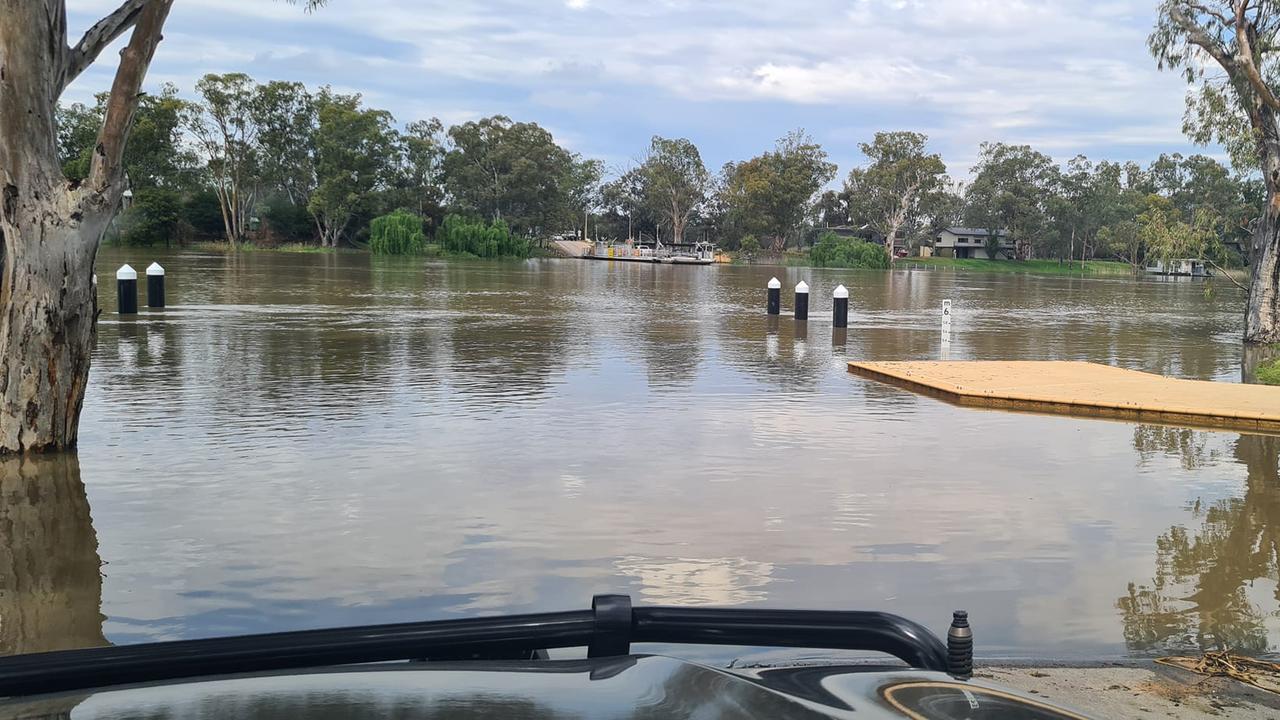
(314, 440)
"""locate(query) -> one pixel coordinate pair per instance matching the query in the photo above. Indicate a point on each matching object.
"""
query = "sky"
(1065, 76)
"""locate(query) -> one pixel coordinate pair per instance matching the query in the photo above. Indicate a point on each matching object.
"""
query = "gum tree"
(1010, 190)
(773, 194)
(51, 226)
(354, 149)
(898, 187)
(675, 182)
(1227, 50)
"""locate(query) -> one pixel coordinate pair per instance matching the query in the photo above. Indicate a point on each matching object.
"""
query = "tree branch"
(1226, 275)
(108, 155)
(1204, 41)
(1245, 57)
(1212, 13)
(103, 33)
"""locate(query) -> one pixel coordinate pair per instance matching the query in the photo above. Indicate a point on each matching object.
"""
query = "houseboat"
(1179, 267)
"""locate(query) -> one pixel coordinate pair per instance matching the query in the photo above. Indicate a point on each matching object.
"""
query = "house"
(965, 242)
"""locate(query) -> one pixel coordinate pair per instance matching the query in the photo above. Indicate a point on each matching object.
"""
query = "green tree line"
(276, 162)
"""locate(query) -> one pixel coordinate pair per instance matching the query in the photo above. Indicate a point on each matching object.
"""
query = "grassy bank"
(1269, 372)
(1039, 267)
(286, 248)
(430, 250)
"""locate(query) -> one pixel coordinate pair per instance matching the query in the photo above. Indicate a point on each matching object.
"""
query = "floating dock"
(1083, 388)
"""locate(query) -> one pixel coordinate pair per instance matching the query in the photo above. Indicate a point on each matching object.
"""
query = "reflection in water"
(1255, 355)
(1191, 447)
(307, 440)
(698, 581)
(50, 585)
(1216, 587)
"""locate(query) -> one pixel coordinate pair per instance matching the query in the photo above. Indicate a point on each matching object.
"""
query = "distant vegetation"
(399, 233)
(459, 236)
(837, 252)
(277, 163)
(1039, 267)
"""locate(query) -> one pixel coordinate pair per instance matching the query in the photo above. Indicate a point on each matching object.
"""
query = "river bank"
(1091, 268)
(432, 250)
(1138, 690)
(1039, 267)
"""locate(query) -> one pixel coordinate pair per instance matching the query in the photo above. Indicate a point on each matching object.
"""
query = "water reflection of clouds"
(698, 581)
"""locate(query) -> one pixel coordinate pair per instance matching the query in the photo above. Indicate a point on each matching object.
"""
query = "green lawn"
(250, 247)
(1040, 267)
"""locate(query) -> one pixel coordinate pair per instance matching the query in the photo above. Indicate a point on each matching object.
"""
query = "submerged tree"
(50, 226)
(1237, 106)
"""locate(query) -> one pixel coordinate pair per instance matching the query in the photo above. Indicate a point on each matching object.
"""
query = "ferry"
(697, 253)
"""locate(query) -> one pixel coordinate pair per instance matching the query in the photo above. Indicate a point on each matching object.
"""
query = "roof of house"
(972, 231)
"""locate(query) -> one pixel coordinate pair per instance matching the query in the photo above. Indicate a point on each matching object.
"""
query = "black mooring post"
(155, 285)
(802, 300)
(960, 646)
(840, 307)
(775, 296)
(127, 290)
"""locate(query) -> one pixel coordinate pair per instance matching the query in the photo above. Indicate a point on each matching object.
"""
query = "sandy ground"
(1138, 692)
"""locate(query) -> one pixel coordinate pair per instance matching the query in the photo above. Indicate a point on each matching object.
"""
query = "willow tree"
(51, 226)
(1235, 103)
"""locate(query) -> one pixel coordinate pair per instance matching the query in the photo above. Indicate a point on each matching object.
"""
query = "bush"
(749, 247)
(286, 222)
(838, 252)
(204, 214)
(1269, 372)
(460, 236)
(399, 233)
(152, 218)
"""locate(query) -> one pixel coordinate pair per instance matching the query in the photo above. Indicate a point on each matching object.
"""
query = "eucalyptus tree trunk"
(50, 228)
(1262, 315)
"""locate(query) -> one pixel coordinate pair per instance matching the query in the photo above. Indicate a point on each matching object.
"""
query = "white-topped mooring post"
(802, 300)
(775, 296)
(155, 285)
(840, 307)
(127, 290)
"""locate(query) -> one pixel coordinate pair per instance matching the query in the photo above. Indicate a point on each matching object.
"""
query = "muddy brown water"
(306, 440)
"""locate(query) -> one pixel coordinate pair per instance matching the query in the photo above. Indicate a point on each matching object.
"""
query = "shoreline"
(1133, 689)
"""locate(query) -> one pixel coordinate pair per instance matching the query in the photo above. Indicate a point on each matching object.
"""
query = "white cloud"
(1047, 72)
